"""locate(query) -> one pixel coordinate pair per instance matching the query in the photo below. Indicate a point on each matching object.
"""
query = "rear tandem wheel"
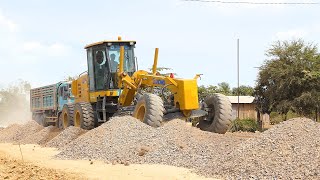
(84, 116)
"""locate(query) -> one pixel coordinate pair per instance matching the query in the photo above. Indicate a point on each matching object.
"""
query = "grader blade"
(179, 115)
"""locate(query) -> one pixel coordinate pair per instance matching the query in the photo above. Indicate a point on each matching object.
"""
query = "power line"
(258, 3)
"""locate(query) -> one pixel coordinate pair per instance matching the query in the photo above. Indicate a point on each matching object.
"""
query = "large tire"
(44, 120)
(84, 116)
(149, 110)
(67, 115)
(41, 119)
(59, 124)
(219, 118)
(37, 118)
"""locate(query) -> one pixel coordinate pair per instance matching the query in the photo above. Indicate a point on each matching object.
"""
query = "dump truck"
(114, 84)
(46, 102)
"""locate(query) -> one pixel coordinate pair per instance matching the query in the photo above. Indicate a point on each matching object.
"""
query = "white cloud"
(13, 45)
(31, 46)
(305, 32)
(291, 34)
(54, 49)
(58, 49)
(8, 24)
(236, 8)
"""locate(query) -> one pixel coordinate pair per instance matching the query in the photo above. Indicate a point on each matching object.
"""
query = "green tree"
(224, 88)
(289, 79)
(243, 91)
(204, 91)
(164, 71)
(71, 78)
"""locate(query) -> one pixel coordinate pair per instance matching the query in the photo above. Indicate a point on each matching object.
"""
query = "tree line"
(288, 81)
(224, 88)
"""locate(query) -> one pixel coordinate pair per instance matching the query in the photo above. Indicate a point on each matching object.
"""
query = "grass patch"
(249, 125)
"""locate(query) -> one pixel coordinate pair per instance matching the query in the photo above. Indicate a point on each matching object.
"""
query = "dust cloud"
(15, 104)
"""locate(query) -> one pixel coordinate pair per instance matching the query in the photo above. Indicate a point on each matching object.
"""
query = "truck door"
(64, 95)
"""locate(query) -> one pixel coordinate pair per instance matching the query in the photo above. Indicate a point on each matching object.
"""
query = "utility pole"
(238, 74)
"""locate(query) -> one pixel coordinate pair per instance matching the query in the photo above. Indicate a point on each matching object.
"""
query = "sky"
(42, 41)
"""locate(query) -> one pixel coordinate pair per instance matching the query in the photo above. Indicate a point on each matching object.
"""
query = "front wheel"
(149, 109)
(67, 115)
(84, 116)
(220, 114)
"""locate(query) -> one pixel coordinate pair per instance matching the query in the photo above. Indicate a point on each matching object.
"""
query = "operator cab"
(103, 63)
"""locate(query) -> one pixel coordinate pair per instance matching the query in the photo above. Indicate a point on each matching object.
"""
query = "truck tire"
(84, 116)
(59, 124)
(67, 115)
(219, 118)
(37, 118)
(43, 120)
(149, 109)
(40, 119)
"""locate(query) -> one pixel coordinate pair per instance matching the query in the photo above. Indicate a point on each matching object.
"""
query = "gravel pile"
(290, 150)
(40, 137)
(126, 140)
(1, 128)
(15, 132)
(65, 137)
(116, 139)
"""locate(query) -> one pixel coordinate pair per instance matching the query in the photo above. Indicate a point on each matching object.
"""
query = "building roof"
(242, 99)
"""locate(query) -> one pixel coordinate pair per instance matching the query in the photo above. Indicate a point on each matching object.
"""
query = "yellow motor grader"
(113, 84)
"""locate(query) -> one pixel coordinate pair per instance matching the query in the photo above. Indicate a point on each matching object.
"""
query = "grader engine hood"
(187, 94)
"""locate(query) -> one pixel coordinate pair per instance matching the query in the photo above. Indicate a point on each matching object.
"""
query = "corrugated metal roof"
(242, 99)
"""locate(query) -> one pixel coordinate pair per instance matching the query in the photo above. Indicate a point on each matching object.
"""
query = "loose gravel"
(65, 137)
(290, 150)
(40, 137)
(15, 132)
(126, 140)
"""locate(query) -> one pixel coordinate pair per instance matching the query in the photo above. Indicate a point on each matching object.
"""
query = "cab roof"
(106, 41)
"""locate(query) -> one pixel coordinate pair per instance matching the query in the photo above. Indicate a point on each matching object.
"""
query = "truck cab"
(65, 95)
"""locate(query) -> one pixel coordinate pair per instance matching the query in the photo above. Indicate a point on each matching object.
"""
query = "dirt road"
(12, 168)
(39, 164)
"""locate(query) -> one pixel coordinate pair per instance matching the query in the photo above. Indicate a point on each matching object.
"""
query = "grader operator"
(113, 84)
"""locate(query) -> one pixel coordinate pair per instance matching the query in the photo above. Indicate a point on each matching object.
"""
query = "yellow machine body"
(187, 94)
(80, 90)
(185, 91)
(114, 86)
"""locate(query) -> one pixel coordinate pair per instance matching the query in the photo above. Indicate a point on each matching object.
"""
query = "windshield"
(114, 55)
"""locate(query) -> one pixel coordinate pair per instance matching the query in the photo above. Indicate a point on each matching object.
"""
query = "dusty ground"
(39, 164)
(124, 148)
(13, 168)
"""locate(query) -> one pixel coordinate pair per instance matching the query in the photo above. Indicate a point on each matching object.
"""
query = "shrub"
(276, 118)
(249, 125)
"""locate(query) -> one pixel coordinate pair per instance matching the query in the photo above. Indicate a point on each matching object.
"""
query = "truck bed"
(43, 98)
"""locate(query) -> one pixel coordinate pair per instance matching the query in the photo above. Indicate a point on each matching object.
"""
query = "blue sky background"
(41, 41)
